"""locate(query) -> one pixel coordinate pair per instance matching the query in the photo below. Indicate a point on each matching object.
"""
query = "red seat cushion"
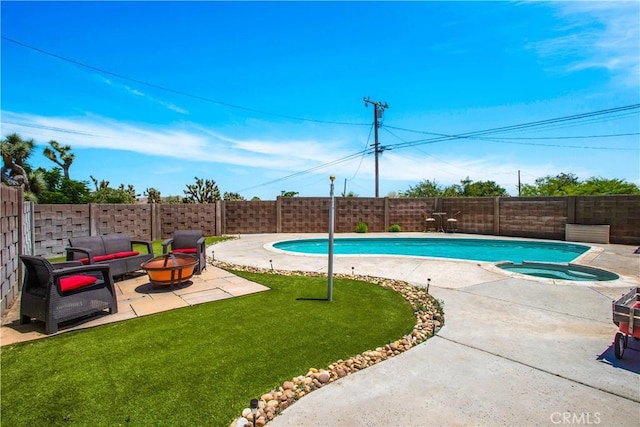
(125, 254)
(185, 250)
(72, 283)
(97, 258)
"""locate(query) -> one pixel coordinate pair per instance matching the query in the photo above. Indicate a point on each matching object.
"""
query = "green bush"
(394, 228)
(362, 227)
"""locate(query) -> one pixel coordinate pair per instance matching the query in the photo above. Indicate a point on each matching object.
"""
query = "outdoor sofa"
(114, 249)
(55, 293)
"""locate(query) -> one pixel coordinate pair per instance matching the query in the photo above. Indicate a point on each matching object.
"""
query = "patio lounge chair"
(55, 293)
(187, 242)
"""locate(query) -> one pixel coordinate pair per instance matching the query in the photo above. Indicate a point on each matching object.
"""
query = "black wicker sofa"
(115, 249)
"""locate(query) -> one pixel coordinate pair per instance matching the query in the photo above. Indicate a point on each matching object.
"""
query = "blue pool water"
(470, 249)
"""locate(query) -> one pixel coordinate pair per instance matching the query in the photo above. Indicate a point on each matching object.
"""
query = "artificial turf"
(198, 365)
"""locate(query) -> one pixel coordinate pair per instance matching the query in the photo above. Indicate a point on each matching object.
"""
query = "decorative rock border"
(429, 319)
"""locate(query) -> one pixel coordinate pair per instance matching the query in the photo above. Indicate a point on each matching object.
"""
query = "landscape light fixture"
(253, 405)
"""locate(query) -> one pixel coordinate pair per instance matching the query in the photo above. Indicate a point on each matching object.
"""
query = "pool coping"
(491, 266)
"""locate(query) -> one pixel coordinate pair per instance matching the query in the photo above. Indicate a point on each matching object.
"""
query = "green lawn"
(200, 365)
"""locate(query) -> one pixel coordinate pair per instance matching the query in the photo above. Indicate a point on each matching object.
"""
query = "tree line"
(55, 186)
(563, 184)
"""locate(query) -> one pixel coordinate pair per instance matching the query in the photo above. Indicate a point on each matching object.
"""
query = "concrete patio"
(514, 350)
(137, 297)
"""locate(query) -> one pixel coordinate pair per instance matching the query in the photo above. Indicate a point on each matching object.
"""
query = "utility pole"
(378, 112)
(519, 186)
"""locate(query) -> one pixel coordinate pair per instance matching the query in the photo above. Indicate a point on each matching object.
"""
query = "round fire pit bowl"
(170, 269)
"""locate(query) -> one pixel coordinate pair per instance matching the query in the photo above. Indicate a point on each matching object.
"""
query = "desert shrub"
(362, 227)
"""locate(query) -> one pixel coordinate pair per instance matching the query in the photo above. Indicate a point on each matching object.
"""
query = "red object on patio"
(170, 269)
(71, 283)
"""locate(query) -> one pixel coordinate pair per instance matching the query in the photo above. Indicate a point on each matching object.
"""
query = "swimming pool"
(489, 250)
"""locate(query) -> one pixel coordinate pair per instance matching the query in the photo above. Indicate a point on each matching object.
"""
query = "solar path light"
(253, 405)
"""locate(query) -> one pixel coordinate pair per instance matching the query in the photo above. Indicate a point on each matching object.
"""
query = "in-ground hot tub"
(170, 269)
(559, 271)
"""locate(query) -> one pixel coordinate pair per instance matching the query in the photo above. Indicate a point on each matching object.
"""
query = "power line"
(612, 135)
(322, 166)
(439, 137)
(174, 91)
(364, 153)
(445, 137)
(56, 129)
(571, 137)
(555, 145)
(537, 124)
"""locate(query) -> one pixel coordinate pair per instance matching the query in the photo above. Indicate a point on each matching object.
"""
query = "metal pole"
(331, 227)
(378, 107)
(375, 149)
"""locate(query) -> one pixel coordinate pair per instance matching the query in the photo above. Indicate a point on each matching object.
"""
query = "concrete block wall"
(250, 217)
(304, 214)
(54, 224)
(534, 217)
(477, 214)
(621, 212)
(134, 220)
(538, 217)
(351, 210)
(10, 229)
(188, 216)
(410, 214)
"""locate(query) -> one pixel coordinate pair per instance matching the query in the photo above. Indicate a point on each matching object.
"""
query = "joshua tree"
(66, 158)
(233, 196)
(203, 191)
(15, 152)
(152, 195)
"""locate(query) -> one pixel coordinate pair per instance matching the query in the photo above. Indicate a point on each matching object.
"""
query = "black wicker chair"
(187, 242)
(55, 293)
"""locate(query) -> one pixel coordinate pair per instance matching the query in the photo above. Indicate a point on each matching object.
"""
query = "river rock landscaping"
(429, 319)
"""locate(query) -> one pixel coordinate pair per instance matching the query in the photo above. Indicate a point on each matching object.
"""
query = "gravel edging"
(429, 319)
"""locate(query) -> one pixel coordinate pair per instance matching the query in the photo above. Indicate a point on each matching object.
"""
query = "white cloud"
(144, 95)
(184, 141)
(250, 161)
(134, 91)
(602, 34)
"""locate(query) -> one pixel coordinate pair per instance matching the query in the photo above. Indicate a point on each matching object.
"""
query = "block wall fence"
(44, 229)
(535, 217)
(11, 206)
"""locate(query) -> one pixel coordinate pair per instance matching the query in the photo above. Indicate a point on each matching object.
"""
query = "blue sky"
(264, 97)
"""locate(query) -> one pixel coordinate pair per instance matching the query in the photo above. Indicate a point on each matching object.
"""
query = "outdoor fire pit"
(170, 269)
